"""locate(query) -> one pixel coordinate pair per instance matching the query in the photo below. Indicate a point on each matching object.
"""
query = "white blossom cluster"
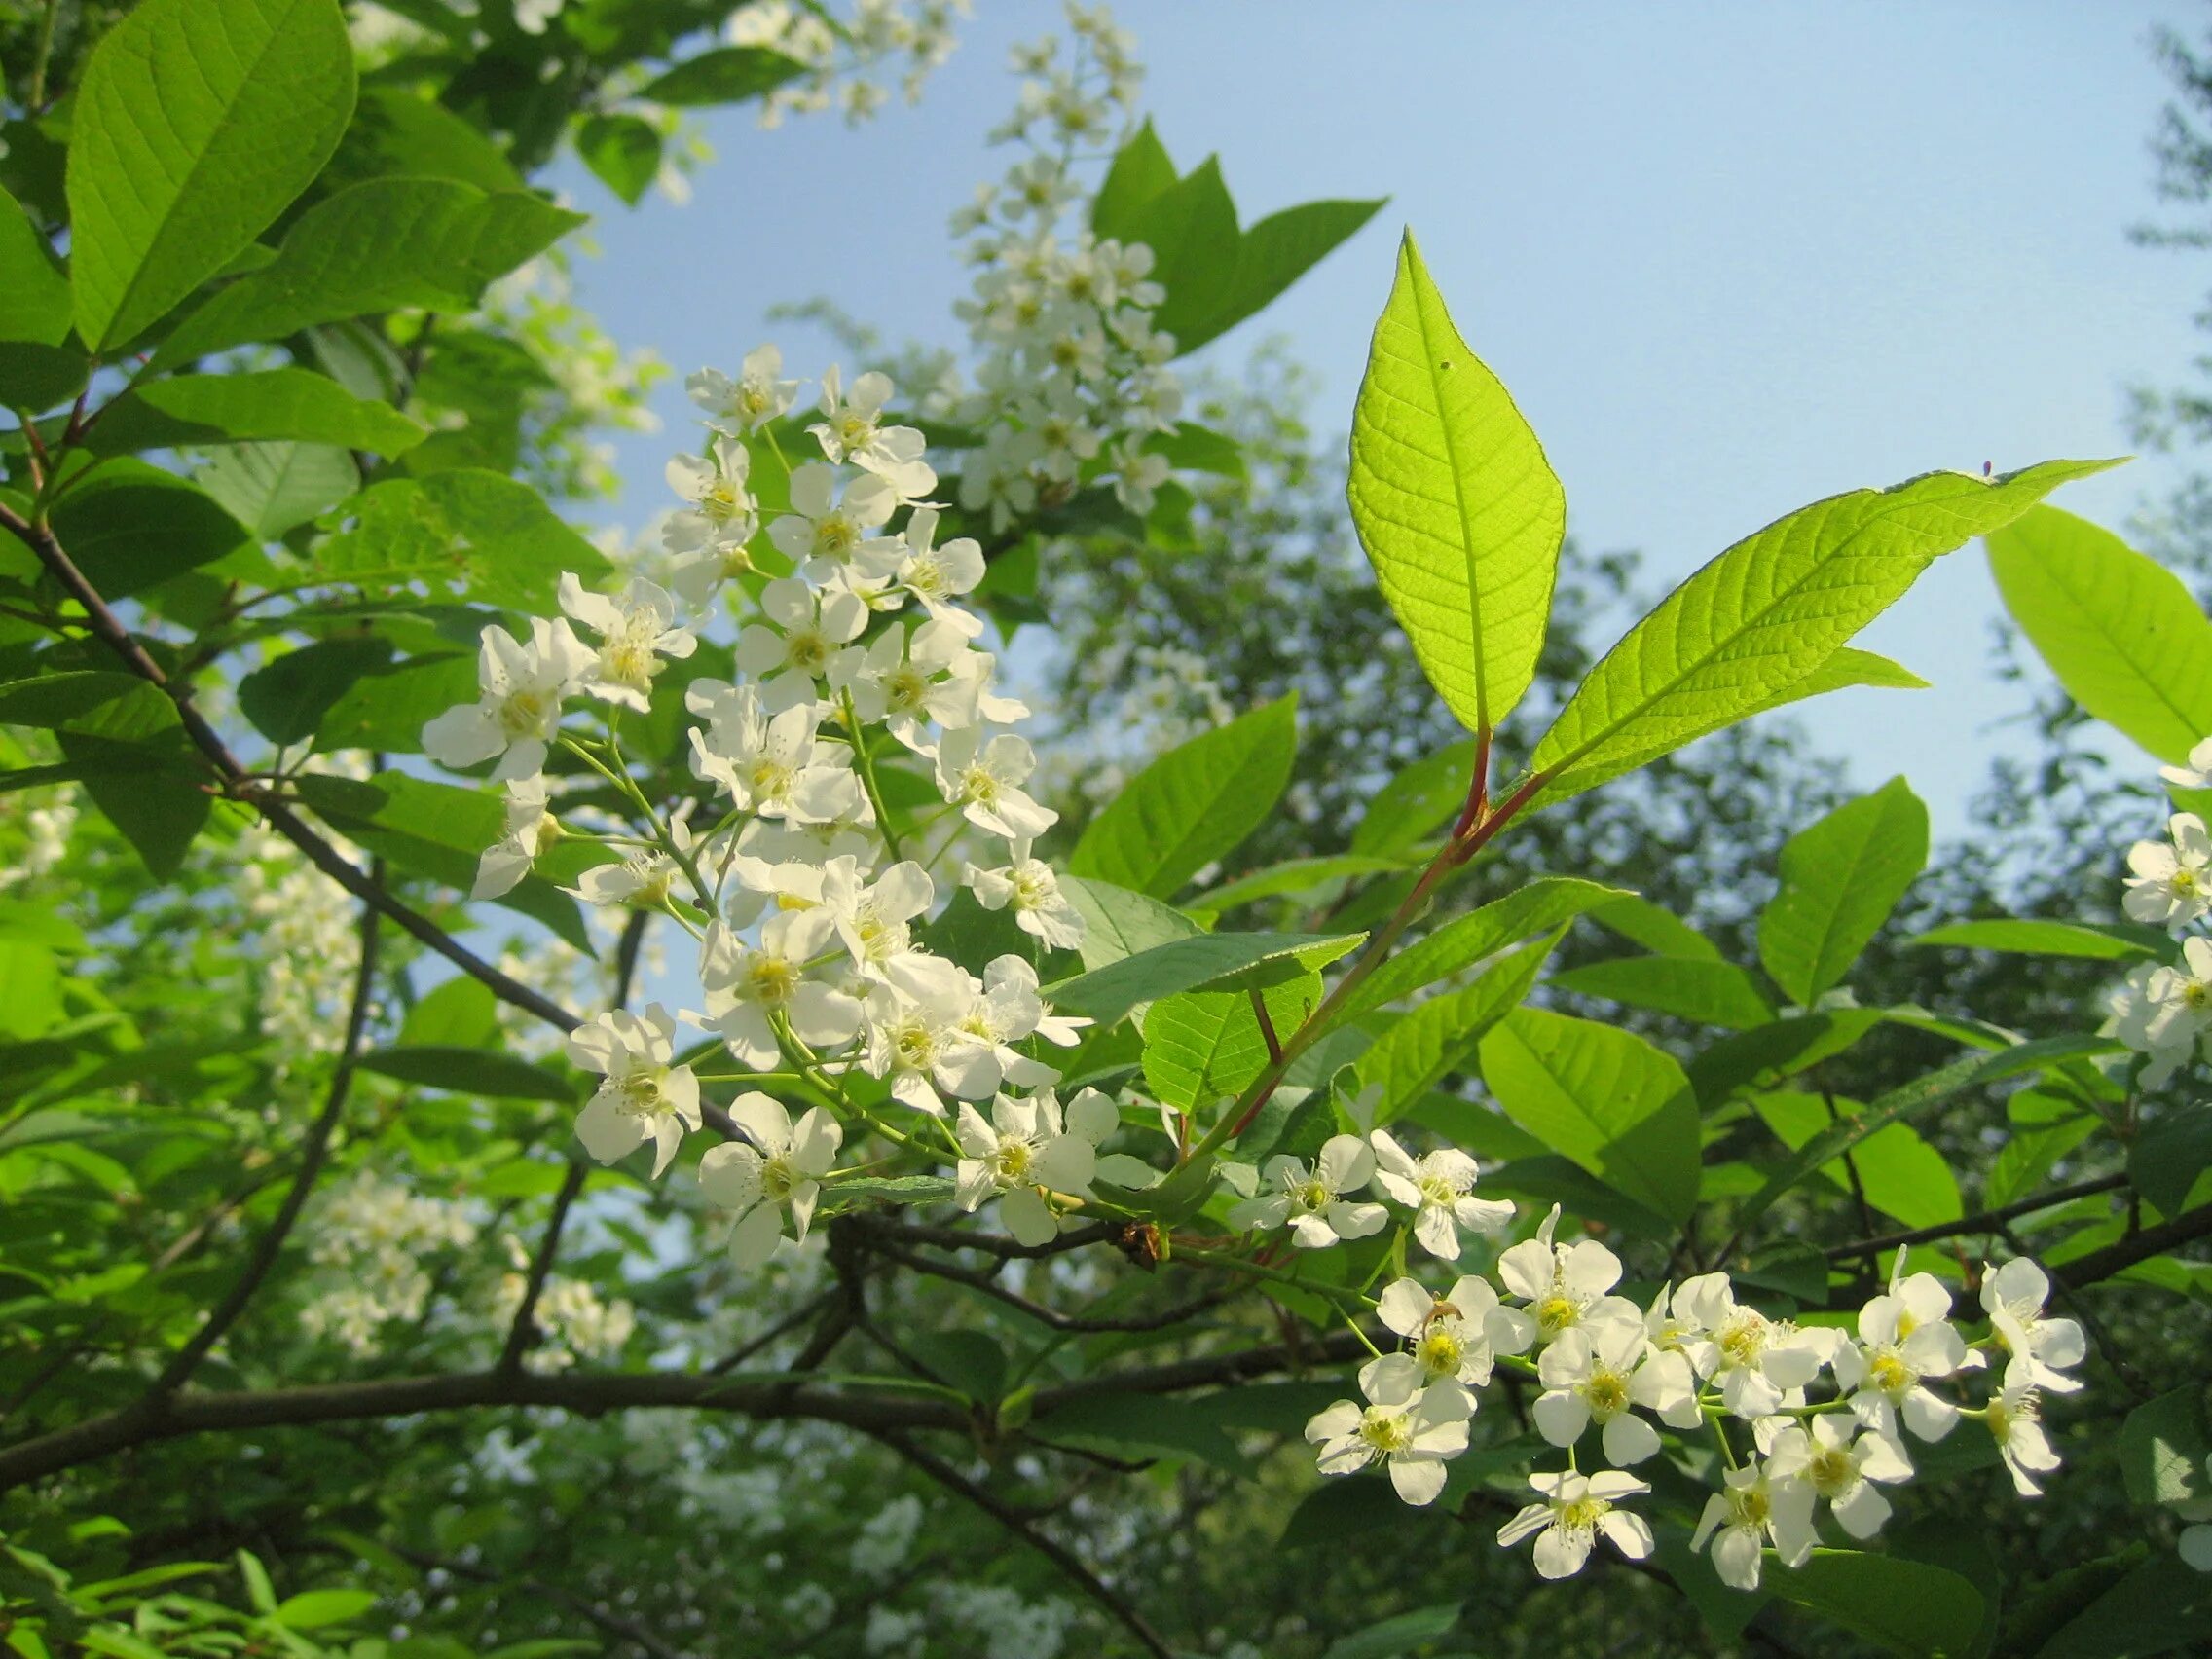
(309, 944)
(912, 38)
(41, 838)
(2165, 1010)
(573, 1322)
(1695, 1361)
(1072, 378)
(802, 904)
(375, 1235)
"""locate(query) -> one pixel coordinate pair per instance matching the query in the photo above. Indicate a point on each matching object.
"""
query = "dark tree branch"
(1012, 1519)
(312, 1158)
(2119, 1257)
(1037, 1310)
(1988, 1220)
(171, 1416)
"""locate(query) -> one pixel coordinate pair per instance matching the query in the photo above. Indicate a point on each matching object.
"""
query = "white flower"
(1821, 1455)
(828, 535)
(1025, 1150)
(914, 1018)
(1456, 1334)
(1908, 1338)
(907, 677)
(984, 779)
(1011, 1010)
(2015, 1418)
(1563, 1284)
(635, 631)
(1137, 476)
(643, 1097)
(1414, 1429)
(2172, 881)
(1753, 1359)
(780, 1171)
(1311, 1201)
(1031, 888)
(810, 631)
(1435, 1187)
(872, 918)
(933, 574)
(2196, 774)
(2149, 1014)
(1575, 1510)
(722, 512)
(529, 825)
(519, 710)
(2013, 1297)
(1595, 1371)
(854, 430)
(772, 766)
(1740, 1520)
(749, 986)
(756, 397)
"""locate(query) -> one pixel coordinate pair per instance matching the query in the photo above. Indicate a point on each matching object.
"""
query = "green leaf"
(2162, 1448)
(1397, 1635)
(1192, 448)
(272, 487)
(1459, 512)
(268, 403)
(1130, 1426)
(197, 123)
(470, 1071)
(1119, 923)
(1848, 669)
(469, 531)
(34, 378)
(623, 151)
(436, 831)
(131, 526)
(461, 1012)
(1292, 876)
(136, 787)
(1900, 1103)
(288, 700)
(1442, 1034)
(312, 1610)
(2121, 631)
(1769, 613)
(1907, 1607)
(2172, 1151)
(1200, 1046)
(1193, 804)
(398, 133)
(30, 987)
(1841, 877)
(1272, 255)
(1416, 803)
(2161, 1607)
(1464, 941)
(1141, 171)
(1711, 993)
(1901, 1173)
(257, 1586)
(729, 74)
(1206, 961)
(34, 295)
(387, 710)
(1191, 228)
(1602, 1097)
(896, 1188)
(2093, 940)
(1659, 930)
(385, 244)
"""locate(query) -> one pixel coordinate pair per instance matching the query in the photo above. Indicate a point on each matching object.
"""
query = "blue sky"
(1730, 258)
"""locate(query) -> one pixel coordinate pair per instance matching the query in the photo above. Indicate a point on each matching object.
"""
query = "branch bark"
(1988, 1220)
(2119, 1256)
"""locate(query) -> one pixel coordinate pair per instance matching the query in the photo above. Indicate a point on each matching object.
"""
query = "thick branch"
(271, 1242)
(1037, 1310)
(1988, 1220)
(1012, 1519)
(168, 1417)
